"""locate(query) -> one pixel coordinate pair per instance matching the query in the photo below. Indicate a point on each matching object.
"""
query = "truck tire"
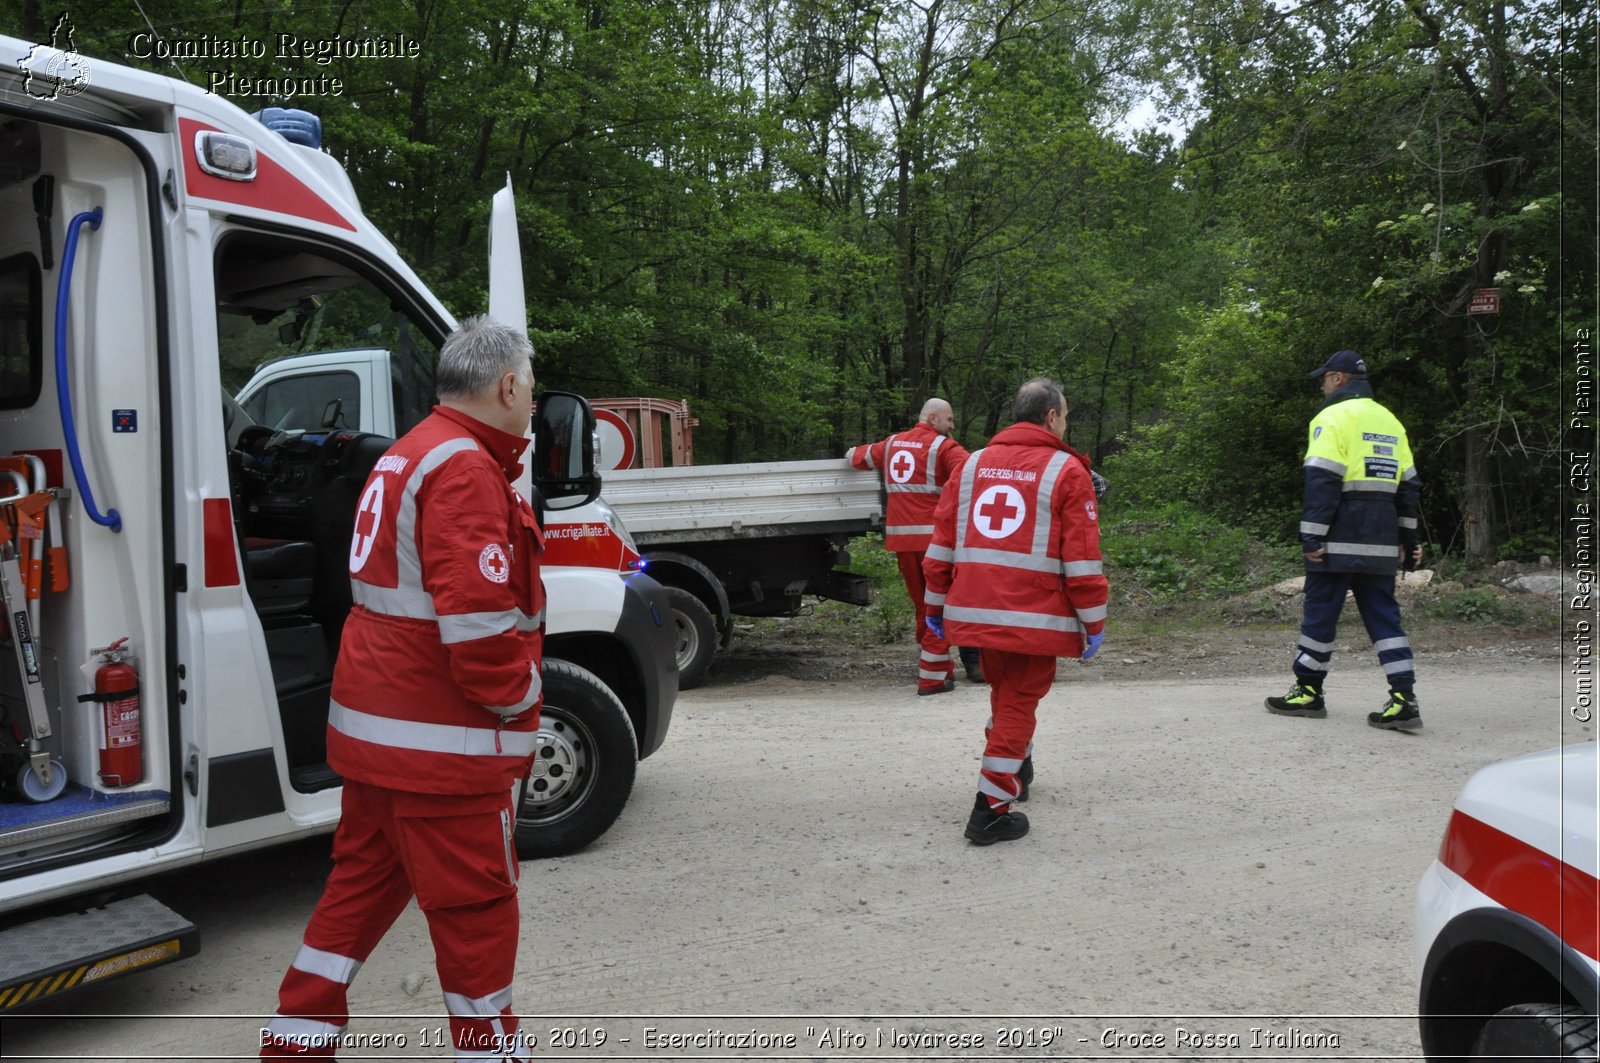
(1537, 1031)
(696, 631)
(583, 769)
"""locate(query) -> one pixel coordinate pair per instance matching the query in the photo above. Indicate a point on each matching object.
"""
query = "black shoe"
(972, 663)
(1300, 701)
(949, 685)
(985, 827)
(1025, 776)
(1399, 713)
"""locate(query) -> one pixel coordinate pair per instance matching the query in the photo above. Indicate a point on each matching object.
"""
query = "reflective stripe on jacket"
(914, 465)
(1361, 486)
(436, 688)
(1015, 559)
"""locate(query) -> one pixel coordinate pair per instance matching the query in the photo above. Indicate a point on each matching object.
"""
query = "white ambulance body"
(1508, 914)
(160, 243)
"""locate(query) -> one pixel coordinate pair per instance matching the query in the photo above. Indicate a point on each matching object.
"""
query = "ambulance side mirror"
(563, 453)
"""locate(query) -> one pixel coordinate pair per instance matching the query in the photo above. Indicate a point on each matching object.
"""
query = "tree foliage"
(805, 216)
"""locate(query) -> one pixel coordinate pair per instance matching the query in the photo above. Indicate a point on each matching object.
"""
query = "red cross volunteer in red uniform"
(1014, 569)
(435, 709)
(915, 465)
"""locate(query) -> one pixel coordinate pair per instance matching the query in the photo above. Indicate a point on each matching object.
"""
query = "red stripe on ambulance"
(273, 188)
(1563, 899)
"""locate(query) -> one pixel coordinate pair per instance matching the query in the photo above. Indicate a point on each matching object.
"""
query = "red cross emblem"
(999, 512)
(367, 516)
(902, 466)
(493, 564)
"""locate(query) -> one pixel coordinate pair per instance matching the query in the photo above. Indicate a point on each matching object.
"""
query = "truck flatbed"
(708, 503)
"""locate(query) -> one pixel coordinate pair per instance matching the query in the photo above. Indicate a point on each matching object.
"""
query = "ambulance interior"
(72, 784)
(295, 489)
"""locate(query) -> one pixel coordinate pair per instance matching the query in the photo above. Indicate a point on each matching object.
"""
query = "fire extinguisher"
(116, 689)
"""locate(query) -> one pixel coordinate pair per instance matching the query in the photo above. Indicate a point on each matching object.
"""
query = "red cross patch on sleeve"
(494, 565)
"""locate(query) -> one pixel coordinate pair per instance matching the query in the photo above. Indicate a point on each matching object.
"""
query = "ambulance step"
(78, 810)
(50, 956)
(310, 778)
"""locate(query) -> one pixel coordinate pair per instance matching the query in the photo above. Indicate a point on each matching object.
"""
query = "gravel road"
(792, 860)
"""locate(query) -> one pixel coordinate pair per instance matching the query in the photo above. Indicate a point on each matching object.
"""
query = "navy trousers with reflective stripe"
(1380, 612)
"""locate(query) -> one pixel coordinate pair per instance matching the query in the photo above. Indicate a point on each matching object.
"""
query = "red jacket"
(436, 689)
(914, 465)
(1015, 559)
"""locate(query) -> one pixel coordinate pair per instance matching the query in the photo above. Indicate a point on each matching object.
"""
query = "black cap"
(1343, 362)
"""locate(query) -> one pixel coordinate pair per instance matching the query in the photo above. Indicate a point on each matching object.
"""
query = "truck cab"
(158, 244)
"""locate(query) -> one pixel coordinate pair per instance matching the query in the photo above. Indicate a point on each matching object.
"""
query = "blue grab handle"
(111, 518)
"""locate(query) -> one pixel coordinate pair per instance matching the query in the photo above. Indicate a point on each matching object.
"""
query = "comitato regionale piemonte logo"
(55, 71)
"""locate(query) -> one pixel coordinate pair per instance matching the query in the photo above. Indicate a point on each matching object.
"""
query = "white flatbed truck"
(745, 540)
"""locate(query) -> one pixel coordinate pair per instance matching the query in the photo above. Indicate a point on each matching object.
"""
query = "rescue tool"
(42, 777)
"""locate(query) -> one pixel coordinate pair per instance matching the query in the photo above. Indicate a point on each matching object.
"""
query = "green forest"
(806, 216)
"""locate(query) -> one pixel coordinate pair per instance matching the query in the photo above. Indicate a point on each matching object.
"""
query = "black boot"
(1302, 700)
(971, 662)
(1025, 776)
(985, 827)
(1399, 713)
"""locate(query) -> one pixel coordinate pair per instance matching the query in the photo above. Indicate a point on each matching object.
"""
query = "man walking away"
(1014, 569)
(1358, 524)
(915, 465)
(435, 710)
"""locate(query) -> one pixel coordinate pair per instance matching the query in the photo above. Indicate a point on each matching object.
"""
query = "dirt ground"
(1202, 881)
(1252, 632)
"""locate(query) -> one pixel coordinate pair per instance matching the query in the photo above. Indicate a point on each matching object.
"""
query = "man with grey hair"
(915, 466)
(1014, 568)
(435, 709)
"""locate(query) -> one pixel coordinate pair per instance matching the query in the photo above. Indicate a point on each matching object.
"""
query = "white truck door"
(508, 301)
(328, 389)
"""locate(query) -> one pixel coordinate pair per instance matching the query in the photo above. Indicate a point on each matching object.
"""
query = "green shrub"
(890, 615)
(1176, 551)
(1476, 604)
(1527, 547)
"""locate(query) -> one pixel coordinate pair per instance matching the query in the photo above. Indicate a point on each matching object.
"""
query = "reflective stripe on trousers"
(1380, 612)
(933, 664)
(1017, 683)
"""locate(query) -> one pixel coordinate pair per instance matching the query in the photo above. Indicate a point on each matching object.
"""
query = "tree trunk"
(1477, 501)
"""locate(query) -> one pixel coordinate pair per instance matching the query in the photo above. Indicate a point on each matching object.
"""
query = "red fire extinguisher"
(116, 689)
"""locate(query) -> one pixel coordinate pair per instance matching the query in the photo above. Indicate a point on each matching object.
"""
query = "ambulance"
(174, 576)
(1508, 914)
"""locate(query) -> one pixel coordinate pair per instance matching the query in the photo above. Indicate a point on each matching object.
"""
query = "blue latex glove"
(1093, 645)
(935, 624)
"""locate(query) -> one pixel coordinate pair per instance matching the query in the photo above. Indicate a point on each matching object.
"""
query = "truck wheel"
(1542, 1031)
(583, 768)
(697, 636)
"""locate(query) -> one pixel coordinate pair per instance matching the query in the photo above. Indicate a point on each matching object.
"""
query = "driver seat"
(280, 575)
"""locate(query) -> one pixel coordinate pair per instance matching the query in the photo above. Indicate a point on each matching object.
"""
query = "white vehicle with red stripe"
(725, 540)
(1508, 915)
(157, 243)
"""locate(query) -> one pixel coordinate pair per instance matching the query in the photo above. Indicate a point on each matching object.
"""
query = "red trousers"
(934, 665)
(457, 856)
(1017, 682)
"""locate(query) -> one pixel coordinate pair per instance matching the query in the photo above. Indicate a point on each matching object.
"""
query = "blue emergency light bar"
(295, 126)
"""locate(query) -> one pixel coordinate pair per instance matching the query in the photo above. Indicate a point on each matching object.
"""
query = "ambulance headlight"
(225, 155)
